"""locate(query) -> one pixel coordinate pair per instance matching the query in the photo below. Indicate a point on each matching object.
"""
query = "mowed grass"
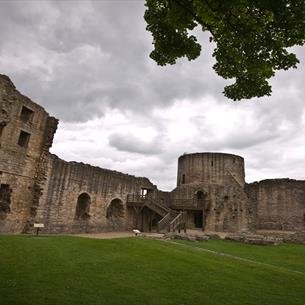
(285, 256)
(62, 270)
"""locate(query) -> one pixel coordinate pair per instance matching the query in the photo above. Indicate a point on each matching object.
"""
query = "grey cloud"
(83, 59)
(130, 143)
(113, 28)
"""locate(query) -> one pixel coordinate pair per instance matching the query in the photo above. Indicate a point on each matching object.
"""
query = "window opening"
(83, 206)
(5, 198)
(183, 179)
(24, 139)
(26, 114)
(115, 209)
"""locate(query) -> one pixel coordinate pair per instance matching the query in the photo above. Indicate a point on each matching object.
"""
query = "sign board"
(38, 225)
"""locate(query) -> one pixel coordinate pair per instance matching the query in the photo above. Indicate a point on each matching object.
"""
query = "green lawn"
(61, 270)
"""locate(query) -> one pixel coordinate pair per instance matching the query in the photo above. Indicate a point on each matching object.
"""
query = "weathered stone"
(213, 236)
(211, 194)
(280, 204)
(184, 236)
(201, 237)
(255, 239)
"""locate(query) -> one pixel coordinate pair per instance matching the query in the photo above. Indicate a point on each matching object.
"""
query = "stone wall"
(226, 208)
(25, 137)
(210, 168)
(36, 186)
(69, 181)
(213, 184)
(280, 204)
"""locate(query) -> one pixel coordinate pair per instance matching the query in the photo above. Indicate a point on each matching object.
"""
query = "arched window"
(115, 209)
(200, 195)
(83, 206)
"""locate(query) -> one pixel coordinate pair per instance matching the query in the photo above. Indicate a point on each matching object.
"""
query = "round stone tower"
(210, 168)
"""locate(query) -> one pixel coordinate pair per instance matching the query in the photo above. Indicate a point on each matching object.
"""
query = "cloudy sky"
(88, 64)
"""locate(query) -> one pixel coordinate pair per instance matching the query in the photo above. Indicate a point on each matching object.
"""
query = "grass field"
(71, 270)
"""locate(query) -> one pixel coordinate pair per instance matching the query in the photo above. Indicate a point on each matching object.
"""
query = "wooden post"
(150, 222)
(137, 216)
(38, 226)
(142, 226)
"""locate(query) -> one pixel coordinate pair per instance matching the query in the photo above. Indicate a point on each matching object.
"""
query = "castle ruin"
(70, 197)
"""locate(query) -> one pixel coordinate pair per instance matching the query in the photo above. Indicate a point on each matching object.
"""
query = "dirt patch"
(107, 235)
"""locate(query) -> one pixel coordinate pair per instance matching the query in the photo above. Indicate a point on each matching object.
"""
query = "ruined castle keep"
(69, 197)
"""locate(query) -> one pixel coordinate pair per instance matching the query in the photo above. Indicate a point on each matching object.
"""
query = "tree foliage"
(251, 37)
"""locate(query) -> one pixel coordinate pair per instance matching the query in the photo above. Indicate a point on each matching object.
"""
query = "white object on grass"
(136, 231)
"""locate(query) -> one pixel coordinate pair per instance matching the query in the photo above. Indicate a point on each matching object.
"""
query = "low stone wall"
(255, 239)
(290, 237)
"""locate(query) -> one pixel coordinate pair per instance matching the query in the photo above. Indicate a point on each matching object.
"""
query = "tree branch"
(196, 18)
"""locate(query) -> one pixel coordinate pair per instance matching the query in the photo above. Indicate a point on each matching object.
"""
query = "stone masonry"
(69, 197)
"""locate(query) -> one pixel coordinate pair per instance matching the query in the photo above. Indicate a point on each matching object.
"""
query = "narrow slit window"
(1, 129)
(183, 179)
(24, 139)
(212, 163)
(26, 114)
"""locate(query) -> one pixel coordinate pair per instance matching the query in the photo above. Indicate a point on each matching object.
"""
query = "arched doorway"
(115, 209)
(82, 206)
(200, 198)
(200, 195)
(199, 214)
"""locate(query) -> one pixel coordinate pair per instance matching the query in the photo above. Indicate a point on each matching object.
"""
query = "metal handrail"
(176, 221)
(163, 222)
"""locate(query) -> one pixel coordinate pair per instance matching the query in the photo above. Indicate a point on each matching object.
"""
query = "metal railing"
(167, 219)
(178, 220)
(164, 222)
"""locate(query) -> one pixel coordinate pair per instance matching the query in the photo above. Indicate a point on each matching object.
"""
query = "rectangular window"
(24, 139)
(26, 114)
(144, 192)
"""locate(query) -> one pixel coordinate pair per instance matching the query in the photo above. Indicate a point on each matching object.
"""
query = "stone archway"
(115, 209)
(200, 214)
(200, 195)
(82, 207)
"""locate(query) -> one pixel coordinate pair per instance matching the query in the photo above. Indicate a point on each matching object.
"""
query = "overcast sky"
(88, 64)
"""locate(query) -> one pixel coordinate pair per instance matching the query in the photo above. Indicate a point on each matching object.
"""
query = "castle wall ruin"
(211, 187)
(69, 197)
(26, 136)
(280, 204)
(69, 185)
